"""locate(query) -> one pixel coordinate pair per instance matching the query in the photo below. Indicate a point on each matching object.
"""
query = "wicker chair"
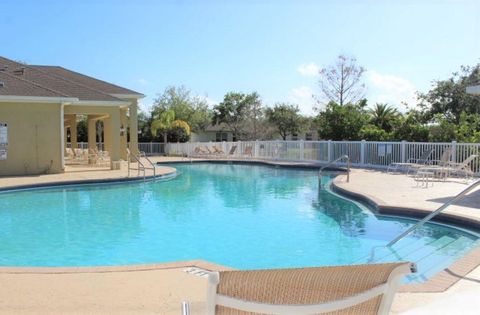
(354, 289)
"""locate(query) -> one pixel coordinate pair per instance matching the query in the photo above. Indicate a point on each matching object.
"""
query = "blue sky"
(272, 47)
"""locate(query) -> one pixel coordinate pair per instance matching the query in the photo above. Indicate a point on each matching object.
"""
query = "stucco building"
(38, 104)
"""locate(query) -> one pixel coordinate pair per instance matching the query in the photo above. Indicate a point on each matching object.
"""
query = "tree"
(144, 122)
(235, 111)
(191, 109)
(339, 122)
(384, 116)
(341, 82)
(163, 123)
(82, 130)
(179, 131)
(286, 118)
(373, 133)
(411, 127)
(449, 97)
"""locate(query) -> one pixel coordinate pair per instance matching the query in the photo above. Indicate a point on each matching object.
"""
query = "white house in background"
(474, 89)
(310, 135)
(215, 133)
(218, 133)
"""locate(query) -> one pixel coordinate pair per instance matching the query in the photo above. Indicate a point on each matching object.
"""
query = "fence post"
(362, 152)
(403, 151)
(330, 152)
(302, 150)
(454, 151)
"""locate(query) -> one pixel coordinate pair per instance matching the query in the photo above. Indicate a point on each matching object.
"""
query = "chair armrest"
(185, 308)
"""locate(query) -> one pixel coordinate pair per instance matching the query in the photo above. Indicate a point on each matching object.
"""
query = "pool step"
(428, 265)
(413, 251)
(199, 272)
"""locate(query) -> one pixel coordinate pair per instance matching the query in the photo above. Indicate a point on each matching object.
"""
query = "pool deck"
(159, 289)
(79, 175)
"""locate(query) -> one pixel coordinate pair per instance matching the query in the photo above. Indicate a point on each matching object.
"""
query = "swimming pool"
(243, 216)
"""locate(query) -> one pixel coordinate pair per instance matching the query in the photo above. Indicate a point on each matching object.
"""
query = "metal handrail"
(144, 155)
(335, 161)
(141, 167)
(434, 213)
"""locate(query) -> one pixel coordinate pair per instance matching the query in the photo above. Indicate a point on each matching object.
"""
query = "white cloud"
(391, 89)
(210, 101)
(143, 81)
(303, 97)
(308, 69)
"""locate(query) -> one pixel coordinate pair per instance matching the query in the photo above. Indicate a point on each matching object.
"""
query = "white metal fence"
(150, 148)
(362, 153)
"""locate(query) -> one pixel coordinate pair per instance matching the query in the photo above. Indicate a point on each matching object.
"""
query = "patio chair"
(218, 150)
(411, 164)
(69, 154)
(354, 289)
(438, 168)
(232, 150)
(248, 151)
(462, 167)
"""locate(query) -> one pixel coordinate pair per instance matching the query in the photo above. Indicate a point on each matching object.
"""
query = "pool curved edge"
(168, 174)
(439, 283)
(457, 220)
(199, 263)
(445, 278)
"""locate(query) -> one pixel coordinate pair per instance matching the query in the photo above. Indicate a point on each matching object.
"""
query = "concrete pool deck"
(159, 289)
(79, 175)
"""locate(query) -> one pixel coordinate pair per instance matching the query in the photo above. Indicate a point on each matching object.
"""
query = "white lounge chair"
(411, 164)
(462, 168)
(354, 289)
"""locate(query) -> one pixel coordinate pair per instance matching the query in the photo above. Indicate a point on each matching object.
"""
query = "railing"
(140, 166)
(368, 154)
(434, 213)
(143, 155)
(150, 148)
(343, 157)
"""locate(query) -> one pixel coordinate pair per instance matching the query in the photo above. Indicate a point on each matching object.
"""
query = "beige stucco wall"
(34, 138)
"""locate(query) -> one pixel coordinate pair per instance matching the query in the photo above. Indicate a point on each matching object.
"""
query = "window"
(294, 136)
(309, 136)
(221, 136)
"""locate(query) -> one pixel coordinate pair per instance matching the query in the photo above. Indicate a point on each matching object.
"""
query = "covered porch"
(111, 129)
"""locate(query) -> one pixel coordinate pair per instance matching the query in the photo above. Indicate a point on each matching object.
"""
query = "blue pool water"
(242, 216)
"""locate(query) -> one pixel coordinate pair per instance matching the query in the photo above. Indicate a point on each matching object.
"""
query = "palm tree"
(163, 124)
(383, 116)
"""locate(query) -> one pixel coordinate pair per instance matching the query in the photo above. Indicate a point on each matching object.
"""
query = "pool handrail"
(144, 155)
(140, 166)
(343, 157)
(434, 213)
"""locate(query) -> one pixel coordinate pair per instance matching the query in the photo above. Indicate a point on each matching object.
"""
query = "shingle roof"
(24, 80)
(85, 80)
(14, 85)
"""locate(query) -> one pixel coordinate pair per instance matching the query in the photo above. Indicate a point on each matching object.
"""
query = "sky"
(273, 47)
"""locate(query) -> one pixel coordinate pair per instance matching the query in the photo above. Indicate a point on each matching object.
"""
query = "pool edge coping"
(446, 278)
(81, 182)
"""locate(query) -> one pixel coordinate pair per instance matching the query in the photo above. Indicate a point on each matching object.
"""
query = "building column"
(92, 132)
(73, 131)
(112, 135)
(65, 131)
(133, 125)
(123, 134)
